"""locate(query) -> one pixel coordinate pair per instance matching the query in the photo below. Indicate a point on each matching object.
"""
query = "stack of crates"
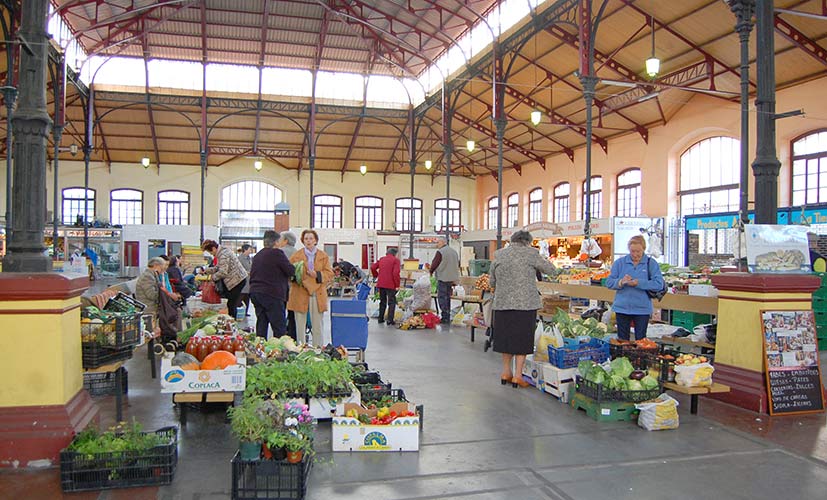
(820, 311)
(689, 320)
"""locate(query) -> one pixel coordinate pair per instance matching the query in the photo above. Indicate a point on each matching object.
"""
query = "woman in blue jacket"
(632, 276)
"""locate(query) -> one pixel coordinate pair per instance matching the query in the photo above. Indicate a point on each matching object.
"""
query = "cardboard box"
(349, 434)
(325, 408)
(703, 290)
(533, 372)
(558, 382)
(231, 379)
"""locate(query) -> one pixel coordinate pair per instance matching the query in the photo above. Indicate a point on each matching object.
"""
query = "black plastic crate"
(374, 391)
(396, 395)
(269, 479)
(367, 377)
(105, 471)
(599, 393)
(94, 355)
(124, 303)
(103, 384)
(117, 331)
(630, 350)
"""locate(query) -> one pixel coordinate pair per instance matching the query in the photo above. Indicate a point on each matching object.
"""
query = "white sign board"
(777, 249)
(650, 228)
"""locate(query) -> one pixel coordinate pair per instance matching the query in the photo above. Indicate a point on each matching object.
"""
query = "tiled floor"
(483, 441)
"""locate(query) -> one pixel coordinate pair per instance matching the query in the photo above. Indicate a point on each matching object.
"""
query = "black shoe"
(381, 321)
(391, 323)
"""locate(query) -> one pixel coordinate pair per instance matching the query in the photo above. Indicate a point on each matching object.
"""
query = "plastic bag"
(208, 293)
(423, 281)
(459, 319)
(699, 375)
(459, 291)
(658, 414)
(373, 309)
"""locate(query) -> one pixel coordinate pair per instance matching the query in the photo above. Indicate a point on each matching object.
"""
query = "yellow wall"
(701, 117)
(296, 189)
(45, 355)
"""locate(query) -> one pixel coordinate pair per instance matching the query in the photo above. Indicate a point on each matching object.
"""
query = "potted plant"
(291, 429)
(247, 424)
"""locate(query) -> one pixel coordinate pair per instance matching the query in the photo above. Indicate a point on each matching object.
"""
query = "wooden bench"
(183, 398)
(116, 369)
(695, 391)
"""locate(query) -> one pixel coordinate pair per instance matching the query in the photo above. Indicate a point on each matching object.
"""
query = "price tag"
(606, 412)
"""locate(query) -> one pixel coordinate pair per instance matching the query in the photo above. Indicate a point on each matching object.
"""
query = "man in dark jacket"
(387, 271)
(269, 282)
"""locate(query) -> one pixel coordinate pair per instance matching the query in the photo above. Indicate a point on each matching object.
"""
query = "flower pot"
(279, 454)
(249, 451)
(266, 452)
(294, 457)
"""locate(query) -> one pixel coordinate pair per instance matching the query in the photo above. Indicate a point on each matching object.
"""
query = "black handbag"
(168, 315)
(222, 289)
(655, 294)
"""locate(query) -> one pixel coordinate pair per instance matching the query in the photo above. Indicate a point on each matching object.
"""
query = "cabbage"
(634, 385)
(622, 367)
(584, 367)
(597, 375)
(616, 382)
(649, 382)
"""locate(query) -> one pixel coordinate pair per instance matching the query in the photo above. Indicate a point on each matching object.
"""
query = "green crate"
(821, 318)
(819, 305)
(822, 344)
(690, 320)
(820, 293)
(823, 277)
(606, 411)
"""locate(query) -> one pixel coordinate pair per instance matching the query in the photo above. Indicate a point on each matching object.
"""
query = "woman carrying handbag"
(228, 273)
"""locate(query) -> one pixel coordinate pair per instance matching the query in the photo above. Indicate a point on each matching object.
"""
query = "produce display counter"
(693, 392)
(677, 302)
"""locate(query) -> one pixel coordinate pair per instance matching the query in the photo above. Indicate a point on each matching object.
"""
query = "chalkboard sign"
(791, 360)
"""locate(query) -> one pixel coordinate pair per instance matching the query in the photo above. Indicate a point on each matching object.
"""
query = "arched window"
(595, 194)
(512, 210)
(810, 169)
(248, 208)
(126, 206)
(327, 211)
(173, 208)
(73, 203)
(710, 175)
(403, 214)
(628, 193)
(561, 202)
(535, 205)
(369, 212)
(446, 213)
(491, 213)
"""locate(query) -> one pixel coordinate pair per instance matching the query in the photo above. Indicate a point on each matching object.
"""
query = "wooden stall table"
(117, 369)
(702, 347)
(694, 392)
(184, 398)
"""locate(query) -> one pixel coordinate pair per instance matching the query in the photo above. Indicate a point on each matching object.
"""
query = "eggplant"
(637, 375)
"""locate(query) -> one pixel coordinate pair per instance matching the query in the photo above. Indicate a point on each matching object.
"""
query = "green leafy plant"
(305, 373)
(121, 438)
(246, 421)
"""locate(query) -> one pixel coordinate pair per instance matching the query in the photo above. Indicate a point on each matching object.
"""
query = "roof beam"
(103, 140)
(109, 40)
(800, 40)
(490, 133)
(599, 56)
(149, 106)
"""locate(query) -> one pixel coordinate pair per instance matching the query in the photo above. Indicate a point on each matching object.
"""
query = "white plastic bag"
(423, 281)
(459, 319)
(459, 291)
(699, 375)
(658, 414)
(373, 309)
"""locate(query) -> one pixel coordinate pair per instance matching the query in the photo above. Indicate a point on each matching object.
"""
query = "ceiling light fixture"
(618, 83)
(145, 161)
(363, 169)
(653, 63)
(258, 165)
(428, 164)
(470, 145)
(536, 116)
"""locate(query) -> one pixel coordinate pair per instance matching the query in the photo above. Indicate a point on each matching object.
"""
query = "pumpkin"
(185, 361)
(218, 360)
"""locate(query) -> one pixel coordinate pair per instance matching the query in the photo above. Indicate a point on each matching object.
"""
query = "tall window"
(710, 176)
(628, 193)
(446, 213)
(561, 202)
(248, 208)
(595, 194)
(327, 211)
(73, 202)
(535, 205)
(369, 212)
(403, 214)
(512, 210)
(126, 206)
(810, 169)
(491, 212)
(173, 208)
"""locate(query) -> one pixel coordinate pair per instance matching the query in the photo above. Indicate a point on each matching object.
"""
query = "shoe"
(381, 321)
(519, 382)
(505, 379)
(445, 322)
(391, 323)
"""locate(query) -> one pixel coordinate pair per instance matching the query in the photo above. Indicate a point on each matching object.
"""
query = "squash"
(185, 361)
(218, 360)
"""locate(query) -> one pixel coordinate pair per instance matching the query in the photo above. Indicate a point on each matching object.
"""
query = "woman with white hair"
(516, 301)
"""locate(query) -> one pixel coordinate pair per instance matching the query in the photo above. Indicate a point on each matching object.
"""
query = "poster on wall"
(650, 228)
(777, 249)
(791, 360)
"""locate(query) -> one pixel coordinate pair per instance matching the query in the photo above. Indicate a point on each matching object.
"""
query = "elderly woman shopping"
(516, 301)
(632, 276)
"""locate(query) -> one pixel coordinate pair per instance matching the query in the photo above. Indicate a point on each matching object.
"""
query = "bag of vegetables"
(658, 414)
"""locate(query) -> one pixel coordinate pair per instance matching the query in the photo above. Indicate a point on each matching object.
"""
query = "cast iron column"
(57, 133)
(766, 164)
(589, 83)
(743, 10)
(412, 163)
(10, 95)
(203, 188)
(447, 149)
(312, 162)
(31, 124)
(87, 154)
(500, 123)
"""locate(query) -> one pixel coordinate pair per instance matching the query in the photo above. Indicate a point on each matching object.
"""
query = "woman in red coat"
(387, 271)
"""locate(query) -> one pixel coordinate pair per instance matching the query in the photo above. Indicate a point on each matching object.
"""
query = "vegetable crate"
(689, 320)
(122, 469)
(606, 411)
(600, 394)
(323, 405)
(393, 396)
(94, 355)
(103, 384)
(117, 331)
(595, 350)
(269, 479)
(124, 303)
(631, 351)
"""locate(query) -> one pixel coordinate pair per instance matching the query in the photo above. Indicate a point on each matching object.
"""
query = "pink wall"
(701, 117)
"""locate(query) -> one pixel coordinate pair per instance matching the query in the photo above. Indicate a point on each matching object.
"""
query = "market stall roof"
(694, 40)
